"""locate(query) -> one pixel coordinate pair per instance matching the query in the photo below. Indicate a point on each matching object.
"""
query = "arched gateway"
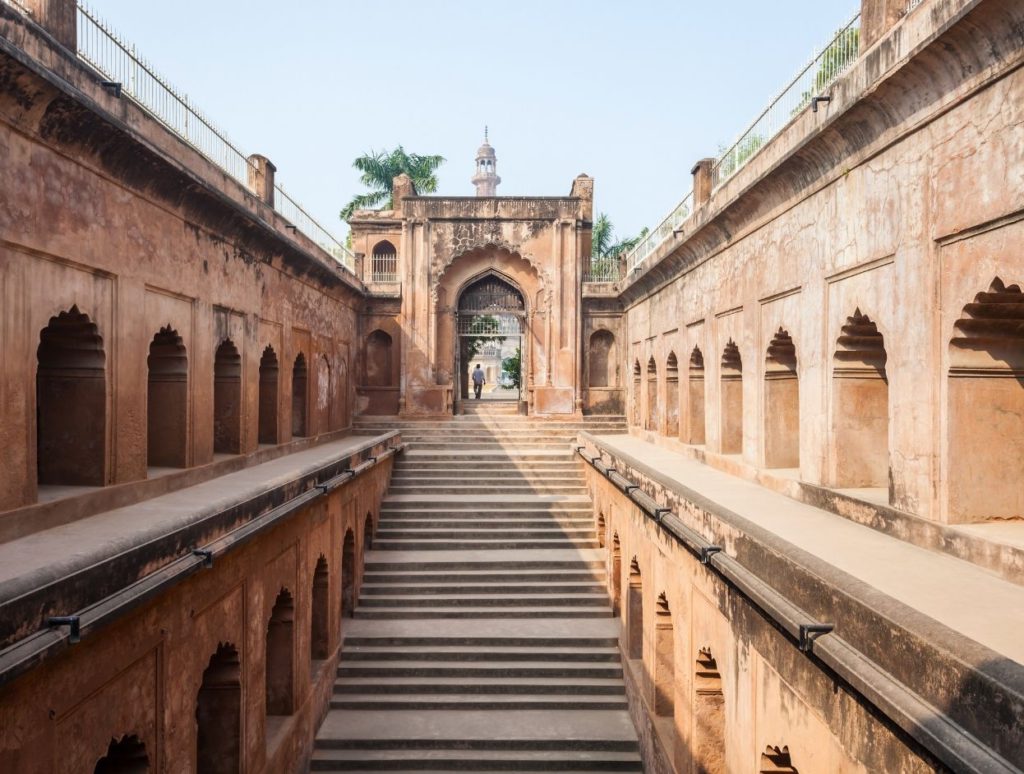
(497, 280)
(491, 321)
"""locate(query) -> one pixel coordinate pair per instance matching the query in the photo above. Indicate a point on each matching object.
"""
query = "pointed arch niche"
(653, 408)
(985, 451)
(695, 399)
(781, 404)
(731, 400)
(672, 396)
(860, 406)
(167, 400)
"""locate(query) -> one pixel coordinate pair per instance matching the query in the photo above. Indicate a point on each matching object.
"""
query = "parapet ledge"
(959, 699)
(99, 568)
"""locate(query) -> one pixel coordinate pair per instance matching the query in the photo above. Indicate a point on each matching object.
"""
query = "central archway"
(491, 328)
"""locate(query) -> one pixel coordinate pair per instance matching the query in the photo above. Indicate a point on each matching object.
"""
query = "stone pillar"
(58, 17)
(261, 178)
(702, 182)
(876, 17)
(583, 189)
(401, 187)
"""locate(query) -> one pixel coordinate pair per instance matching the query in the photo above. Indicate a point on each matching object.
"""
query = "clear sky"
(632, 93)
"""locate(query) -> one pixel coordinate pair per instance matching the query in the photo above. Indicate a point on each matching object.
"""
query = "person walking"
(478, 380)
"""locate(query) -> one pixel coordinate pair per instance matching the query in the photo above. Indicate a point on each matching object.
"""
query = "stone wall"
(715, 612)
(143, 675)
(161, 281)
(878, 242)
(445, 244)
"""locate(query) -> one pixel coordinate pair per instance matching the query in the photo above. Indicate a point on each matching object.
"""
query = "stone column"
(261, 178)
(702, 182)
(58, 17)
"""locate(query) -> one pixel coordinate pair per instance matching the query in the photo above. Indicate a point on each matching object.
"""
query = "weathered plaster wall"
(105, 210)
(537, 244)
(906, 223)
(141, 675)
(770, 693)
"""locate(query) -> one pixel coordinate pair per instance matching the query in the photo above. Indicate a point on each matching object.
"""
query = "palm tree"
(380, 168)
(605, 253)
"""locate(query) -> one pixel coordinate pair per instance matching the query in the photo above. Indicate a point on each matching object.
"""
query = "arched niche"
(860, 405)
(781, 403)
(71, 402)
(985, 411)
(731, 400)
(695, 398)
(167, 400)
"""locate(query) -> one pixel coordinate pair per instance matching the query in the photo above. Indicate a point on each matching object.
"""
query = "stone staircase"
(483, 638)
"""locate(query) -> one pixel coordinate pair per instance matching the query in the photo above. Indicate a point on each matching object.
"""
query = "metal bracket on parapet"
(71, 621)
(810, 632)
(706, 552)
(629, 488)
(206, 554)
(815, 100)
(659, 513)
(114, 87)
(324, 489)
(371, 458)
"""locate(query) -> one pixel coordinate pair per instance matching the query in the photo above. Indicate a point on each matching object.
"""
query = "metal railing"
(660, 233)
(604, 269)
(384, 267)
(120, 64)
(815, 77)
(825, 67)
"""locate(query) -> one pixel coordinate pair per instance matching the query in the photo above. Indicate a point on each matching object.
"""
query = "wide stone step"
(470, 743)
(474, 760)
(502, 613)
(484, 466)
(430, 579)
(381, 564)
(420, 544)
(431, 508)
(503, 669)
(451, 475)
(476, 703)
(495, 455)
(463, 653)
(491, 489)
(531, 599)
(481, 642)
(435, 589)
(499, 686)
(490, 522)
(482, 531)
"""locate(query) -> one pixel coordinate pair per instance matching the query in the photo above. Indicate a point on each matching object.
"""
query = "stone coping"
(88, 501)
(65, 569)
(900, 611)
(999, 552)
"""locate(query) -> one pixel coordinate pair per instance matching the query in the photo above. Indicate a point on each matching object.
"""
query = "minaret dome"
(486, 177)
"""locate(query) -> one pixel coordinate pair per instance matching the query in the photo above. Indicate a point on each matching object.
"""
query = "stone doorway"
(491, 323)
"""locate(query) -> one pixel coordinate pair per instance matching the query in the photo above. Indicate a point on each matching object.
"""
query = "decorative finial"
(485, 132)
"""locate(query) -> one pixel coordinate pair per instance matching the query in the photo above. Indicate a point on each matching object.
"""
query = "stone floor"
(483, 639)
(964, 597)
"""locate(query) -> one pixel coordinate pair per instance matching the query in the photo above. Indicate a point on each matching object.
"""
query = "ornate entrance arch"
(490, 318)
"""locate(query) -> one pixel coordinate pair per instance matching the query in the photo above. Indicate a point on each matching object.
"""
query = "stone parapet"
(956, 698)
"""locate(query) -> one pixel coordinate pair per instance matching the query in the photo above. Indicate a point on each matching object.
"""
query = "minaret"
(486, 178)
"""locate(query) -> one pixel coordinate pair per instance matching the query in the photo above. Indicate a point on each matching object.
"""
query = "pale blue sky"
(632, 93)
